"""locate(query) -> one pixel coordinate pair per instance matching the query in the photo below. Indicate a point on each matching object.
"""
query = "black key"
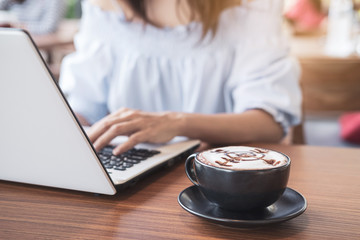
(108, 166)
(118, 164)
(133, 161)
(121, 168)
(154, 152)
(106, 154)
(138, 157)
(107, 150)
(125, 160)
(102, 155)
(127, 165)
(105, 161)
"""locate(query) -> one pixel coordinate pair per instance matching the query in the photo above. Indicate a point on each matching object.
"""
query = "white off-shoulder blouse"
(246, 65)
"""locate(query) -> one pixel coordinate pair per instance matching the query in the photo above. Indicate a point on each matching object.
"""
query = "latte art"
(243, 158)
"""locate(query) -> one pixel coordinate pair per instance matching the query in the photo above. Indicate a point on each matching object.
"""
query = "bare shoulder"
(106, 5)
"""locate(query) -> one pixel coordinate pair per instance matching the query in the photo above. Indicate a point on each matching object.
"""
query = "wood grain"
(328, 177)
(330, 84)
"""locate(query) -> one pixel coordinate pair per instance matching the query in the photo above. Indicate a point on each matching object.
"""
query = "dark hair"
(206, 11)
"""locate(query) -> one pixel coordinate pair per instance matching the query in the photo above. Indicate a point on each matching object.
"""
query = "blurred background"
(324, 36)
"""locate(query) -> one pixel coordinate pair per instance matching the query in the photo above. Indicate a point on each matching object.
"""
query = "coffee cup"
(239, 178)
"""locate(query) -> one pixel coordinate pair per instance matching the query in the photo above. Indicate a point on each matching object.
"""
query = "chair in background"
(331, 87)
(330, 84)
(298, 135)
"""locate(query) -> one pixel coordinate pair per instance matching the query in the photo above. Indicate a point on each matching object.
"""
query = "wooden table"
(329, 178)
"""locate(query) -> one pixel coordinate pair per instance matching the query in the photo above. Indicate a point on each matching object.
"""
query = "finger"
(114, 131)
(123, 112)
(109, 121)
(120, 111)
(98, 128)
(134, 139)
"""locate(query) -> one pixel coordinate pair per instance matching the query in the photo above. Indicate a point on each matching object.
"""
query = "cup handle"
(190, 170)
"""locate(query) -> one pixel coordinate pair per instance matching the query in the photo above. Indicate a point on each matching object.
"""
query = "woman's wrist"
(178, 121)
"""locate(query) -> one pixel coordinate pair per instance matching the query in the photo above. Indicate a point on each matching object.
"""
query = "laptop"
(43, 143)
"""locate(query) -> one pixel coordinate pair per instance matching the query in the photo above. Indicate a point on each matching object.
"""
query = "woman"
(217, 71)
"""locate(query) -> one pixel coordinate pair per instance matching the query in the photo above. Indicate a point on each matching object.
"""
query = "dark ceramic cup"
(239, 189)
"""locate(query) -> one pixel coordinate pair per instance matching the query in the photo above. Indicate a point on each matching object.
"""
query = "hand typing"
(139, 126)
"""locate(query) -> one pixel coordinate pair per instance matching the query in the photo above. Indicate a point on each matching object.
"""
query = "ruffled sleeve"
(86, 73)
(264, 76)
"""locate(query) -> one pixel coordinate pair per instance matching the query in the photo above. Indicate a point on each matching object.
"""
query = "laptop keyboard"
(125, 160)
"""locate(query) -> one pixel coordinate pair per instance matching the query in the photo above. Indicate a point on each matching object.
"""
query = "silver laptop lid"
(41, 141)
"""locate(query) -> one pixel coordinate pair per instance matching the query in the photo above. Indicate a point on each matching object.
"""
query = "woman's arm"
(250, 126)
